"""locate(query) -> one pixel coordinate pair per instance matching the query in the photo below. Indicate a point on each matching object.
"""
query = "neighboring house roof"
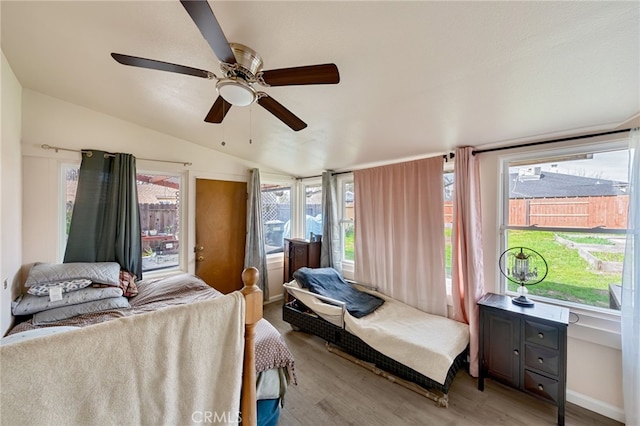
(553, 185)
(147, 193)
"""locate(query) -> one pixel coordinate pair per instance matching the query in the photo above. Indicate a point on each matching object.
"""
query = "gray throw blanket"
(328, 282)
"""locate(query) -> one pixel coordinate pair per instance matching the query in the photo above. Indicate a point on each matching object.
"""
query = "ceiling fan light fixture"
(236, 92)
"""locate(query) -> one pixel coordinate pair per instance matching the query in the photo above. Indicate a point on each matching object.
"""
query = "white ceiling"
(417, 78)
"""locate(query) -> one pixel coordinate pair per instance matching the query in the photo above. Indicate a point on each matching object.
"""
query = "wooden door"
(221, 218)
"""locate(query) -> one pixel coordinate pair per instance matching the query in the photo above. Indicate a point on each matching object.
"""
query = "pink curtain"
(399, 242)
(467, 268)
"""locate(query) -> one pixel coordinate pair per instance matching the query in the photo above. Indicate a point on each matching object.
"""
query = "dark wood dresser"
(299, 253)
(525, 347)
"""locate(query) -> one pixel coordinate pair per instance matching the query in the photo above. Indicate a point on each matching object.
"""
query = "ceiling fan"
(242, 69)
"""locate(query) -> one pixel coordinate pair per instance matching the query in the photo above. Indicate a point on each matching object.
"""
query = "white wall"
(10, 193)
(47, 120)
(594, 359)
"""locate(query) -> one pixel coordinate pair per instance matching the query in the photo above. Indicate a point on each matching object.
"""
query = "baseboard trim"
(275, 298)
(607, 410)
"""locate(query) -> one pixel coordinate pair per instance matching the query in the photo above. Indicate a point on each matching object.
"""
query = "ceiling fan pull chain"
(223, 142)
(250, 124)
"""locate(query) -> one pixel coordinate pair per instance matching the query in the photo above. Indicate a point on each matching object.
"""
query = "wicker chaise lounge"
(306, 312)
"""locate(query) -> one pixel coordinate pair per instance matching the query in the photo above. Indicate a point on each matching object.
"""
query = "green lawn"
(349, 243)
(608, 256)
(570, 277)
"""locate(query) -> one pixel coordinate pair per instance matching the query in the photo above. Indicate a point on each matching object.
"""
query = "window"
(159, 204)
(571, 207)
(347, 224)
(448, 222)
(312, 210)
(276, 216)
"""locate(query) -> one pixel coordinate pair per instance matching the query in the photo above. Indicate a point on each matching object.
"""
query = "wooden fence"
(569, 212)
(160, 217)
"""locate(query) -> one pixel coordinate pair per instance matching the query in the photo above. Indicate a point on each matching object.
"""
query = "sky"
(612, 165)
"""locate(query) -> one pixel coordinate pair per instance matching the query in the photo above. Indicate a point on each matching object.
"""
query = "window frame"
(291, 188)
(182, 215)
(342, 181)
(607, 319)
(304, 184)
(448, 168)
(293, 199)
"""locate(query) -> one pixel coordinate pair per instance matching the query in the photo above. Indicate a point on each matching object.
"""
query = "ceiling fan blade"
(159, 65)
(217, 112)
(311, 74)
(205, 20)
(283, 114)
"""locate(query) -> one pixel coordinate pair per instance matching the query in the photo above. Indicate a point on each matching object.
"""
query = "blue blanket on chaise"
(328, 282)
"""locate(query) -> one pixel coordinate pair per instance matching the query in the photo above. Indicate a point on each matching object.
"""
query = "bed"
(389, 337)
(193, 375)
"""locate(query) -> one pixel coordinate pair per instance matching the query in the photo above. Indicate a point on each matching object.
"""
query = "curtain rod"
(332, 174)
(572, 138)
(446, 157)
(451, 155)
(57, 148)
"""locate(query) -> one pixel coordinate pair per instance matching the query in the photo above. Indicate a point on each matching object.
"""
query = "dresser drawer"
(541, 359)
(541, 334)
(541, 385)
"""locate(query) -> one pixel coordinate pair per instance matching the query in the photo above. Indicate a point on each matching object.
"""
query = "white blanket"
(178, 365)
(424, 342)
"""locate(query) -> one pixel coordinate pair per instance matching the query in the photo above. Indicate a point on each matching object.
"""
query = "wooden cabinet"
(299, 253)
(525, 347)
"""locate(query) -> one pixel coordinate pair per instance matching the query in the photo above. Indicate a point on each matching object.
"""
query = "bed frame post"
(253, 314)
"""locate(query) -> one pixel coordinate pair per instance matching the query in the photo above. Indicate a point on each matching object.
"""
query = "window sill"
(275, 259)
(159, 273)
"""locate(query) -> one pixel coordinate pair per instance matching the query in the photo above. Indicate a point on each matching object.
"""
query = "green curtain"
(105, 225)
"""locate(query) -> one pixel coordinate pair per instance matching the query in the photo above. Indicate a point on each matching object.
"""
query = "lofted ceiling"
(417, 78)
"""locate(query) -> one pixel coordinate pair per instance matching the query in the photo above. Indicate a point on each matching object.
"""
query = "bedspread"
(427, 343)
(158, 368)
(272, 351)
(181, 289)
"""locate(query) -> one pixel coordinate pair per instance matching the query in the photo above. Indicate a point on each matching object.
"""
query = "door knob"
(198, 248)
(200, 258)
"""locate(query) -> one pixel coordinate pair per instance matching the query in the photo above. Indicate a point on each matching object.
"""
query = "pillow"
(127, 282)
(66, 286)
(28, 304)
(328, 312)
(328, 282)
(98, 272)
(64, 312)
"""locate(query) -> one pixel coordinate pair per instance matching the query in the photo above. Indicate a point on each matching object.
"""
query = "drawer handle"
(540, 360)
(515, 352)
(541, 335)
(540, 387)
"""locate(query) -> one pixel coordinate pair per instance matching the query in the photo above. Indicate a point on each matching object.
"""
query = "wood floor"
(334, 391)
